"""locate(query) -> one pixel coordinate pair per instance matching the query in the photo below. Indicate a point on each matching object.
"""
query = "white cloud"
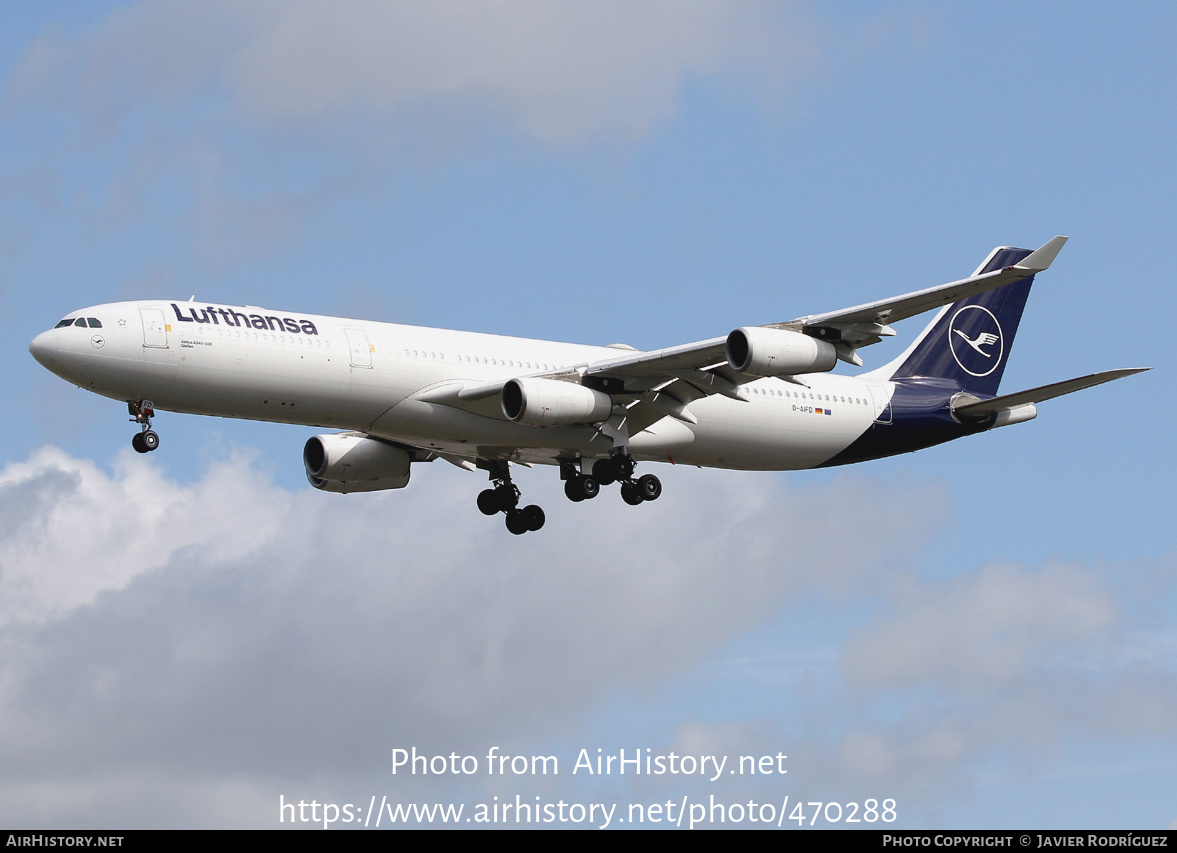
(1008, 661)
(560, 72)
(227, 640)
(230, 630)
(71, 531)
(246, 119)
(988, 676)
(980, 630)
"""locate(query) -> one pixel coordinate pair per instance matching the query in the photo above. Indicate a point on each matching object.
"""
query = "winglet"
(1041, 259)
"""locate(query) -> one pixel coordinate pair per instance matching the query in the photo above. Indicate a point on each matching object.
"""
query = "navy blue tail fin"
(969, 341)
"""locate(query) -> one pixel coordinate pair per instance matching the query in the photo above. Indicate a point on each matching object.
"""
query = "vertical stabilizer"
(969, 341)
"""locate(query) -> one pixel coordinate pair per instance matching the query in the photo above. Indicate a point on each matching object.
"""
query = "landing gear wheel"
(516, 523)
(533, 517)
(503, 496)
(649, 487)
(630, 494)
(507, 498)
(488, 502)
(623, 466)
(573, 491)
(581, 488)
(603, 472)
(141, 412)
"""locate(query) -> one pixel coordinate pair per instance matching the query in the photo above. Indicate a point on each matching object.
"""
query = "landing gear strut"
(141, 413)
(504, 497)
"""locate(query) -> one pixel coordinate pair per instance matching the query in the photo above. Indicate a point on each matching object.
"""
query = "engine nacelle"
(544, 402)
(778, 352)
(353, 462)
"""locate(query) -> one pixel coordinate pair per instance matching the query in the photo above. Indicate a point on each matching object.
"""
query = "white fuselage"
(246, 362)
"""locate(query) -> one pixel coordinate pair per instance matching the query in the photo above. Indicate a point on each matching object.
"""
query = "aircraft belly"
(777, 435)
(666, 440)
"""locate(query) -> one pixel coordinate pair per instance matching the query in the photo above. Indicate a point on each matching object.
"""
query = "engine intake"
(353, 462)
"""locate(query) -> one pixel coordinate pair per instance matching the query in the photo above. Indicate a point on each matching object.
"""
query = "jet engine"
(544, 402)
(778, 352)
(353, 462)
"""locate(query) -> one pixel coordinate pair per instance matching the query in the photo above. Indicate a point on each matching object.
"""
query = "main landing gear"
(618, 468)
(504, 497)
(141, 413)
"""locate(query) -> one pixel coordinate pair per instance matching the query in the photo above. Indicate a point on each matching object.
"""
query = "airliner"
(761, 398)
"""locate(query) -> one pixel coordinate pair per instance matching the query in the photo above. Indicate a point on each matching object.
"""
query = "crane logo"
(974, 336)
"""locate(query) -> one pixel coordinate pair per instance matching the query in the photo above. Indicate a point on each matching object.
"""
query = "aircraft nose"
(44, 347)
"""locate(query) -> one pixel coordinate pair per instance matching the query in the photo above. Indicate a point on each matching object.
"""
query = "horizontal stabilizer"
(1007, 402)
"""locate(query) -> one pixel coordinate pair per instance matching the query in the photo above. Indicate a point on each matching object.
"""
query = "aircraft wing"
(703, 365)
(704, 357)
(857, 323)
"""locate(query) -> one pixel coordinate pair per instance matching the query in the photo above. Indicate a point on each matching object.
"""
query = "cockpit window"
(94, 323)
(68, 321)
(81, 321)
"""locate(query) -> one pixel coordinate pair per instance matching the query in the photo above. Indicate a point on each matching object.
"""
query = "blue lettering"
(235, 318)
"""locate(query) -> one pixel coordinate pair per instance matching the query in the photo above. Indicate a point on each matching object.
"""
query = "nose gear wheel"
(142, 411)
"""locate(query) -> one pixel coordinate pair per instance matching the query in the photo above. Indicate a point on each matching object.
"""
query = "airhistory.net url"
(521, 811)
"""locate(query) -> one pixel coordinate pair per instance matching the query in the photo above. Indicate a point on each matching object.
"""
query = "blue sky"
(983, 631)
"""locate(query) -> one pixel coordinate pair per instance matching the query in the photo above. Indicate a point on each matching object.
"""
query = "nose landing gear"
(142, 411)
